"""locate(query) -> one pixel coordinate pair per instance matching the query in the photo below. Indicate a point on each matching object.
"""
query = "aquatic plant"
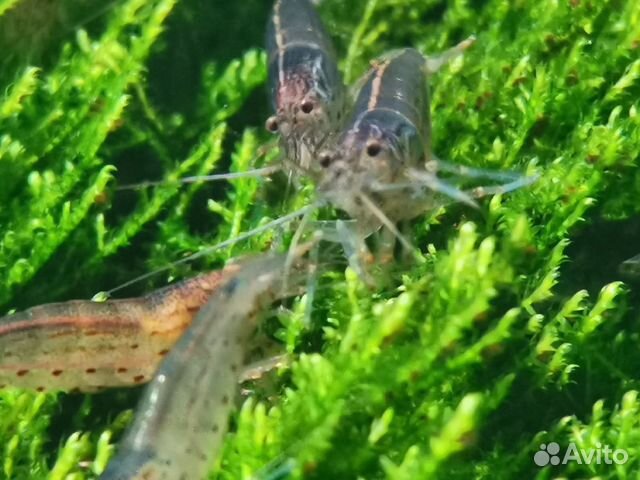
(512, 331)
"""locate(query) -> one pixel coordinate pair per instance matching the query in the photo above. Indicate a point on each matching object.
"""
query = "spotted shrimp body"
(306, 88)
(88, 346)
(181, 420)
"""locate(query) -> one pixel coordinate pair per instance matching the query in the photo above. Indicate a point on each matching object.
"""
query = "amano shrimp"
(306, 88)
(375, 168)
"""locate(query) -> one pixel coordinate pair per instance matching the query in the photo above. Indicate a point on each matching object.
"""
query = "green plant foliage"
(513, 329)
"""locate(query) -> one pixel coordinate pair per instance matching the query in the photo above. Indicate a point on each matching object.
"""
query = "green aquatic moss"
(511, 331)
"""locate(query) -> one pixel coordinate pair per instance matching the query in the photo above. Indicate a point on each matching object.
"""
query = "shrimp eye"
(307, 106)
(325, 159)
(373, 148)
(272, 124)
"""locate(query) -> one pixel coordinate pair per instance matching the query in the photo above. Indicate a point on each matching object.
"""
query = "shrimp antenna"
(227, 243)
(257, 172)
(436, 165)
(81, 22)
(438, 185)
(479, 192)
(435, 63)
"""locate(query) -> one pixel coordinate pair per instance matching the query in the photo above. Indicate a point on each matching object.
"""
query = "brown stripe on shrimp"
(376, 84)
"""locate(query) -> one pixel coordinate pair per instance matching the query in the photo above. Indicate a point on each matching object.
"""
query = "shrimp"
(306, 88)
(182, 418)
(87, 346)
(306, 91)
(375, 168)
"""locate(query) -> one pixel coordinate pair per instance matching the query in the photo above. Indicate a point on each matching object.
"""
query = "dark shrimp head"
(306, 101)
(358, 163)
(299, 108)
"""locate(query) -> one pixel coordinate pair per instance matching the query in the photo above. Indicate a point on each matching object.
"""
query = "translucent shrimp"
(380, 168)
(86, 346)
(182, 418)
(306, 88)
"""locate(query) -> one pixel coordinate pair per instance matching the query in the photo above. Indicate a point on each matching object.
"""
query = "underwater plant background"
(514, 329)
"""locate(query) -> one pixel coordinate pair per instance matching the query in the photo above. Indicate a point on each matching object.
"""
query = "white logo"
(549, 454)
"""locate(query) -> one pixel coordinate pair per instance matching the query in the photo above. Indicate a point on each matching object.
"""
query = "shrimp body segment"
(86, 346)
(183, 415)
(306, 88)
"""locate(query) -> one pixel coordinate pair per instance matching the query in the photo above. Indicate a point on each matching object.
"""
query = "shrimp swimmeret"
(182, 418)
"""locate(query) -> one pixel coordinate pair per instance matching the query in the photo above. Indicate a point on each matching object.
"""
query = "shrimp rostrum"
(375, 169)
(306, 88)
